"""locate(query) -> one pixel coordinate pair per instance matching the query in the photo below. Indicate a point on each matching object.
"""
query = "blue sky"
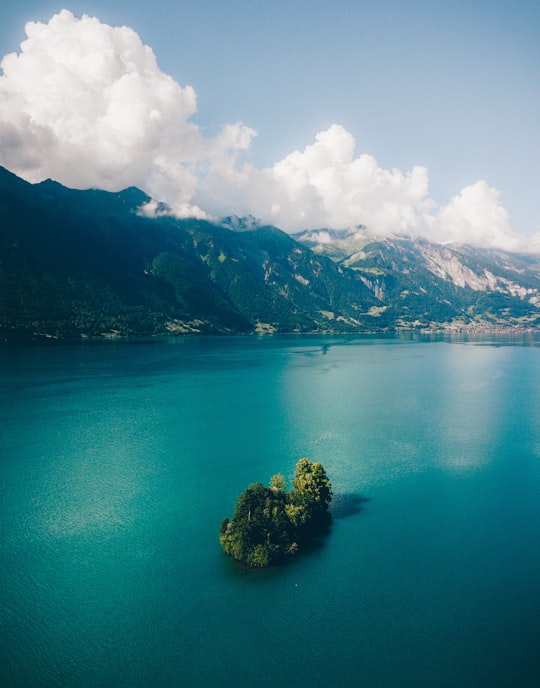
(450, 87)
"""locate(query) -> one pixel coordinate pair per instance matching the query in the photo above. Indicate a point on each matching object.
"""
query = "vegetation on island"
(271, 524)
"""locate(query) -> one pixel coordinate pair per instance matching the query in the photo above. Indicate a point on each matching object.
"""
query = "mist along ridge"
(271, 524)
(89, 264)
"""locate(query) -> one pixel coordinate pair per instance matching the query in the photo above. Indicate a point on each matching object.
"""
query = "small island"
(270, 524)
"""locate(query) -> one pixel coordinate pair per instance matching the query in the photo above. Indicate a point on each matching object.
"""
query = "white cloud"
(475, 216)
(324, 185)
(351, 190)
(87, 105)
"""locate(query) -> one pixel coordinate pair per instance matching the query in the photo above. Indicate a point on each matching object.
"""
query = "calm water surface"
(119, 461)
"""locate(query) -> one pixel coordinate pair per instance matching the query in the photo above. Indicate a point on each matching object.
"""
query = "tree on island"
(270, 523)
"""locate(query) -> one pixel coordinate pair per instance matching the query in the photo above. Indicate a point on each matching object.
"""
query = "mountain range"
(92, 264)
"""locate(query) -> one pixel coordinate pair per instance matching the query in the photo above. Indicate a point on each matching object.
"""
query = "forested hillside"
(90, 264)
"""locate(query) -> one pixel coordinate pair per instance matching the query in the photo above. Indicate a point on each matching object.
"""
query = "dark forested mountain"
(88, 263)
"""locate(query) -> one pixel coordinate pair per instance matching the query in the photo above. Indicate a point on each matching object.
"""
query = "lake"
(120, 459)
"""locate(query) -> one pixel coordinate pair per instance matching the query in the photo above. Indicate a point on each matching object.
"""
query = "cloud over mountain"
(326, 185)
(87, 105)
(474, 216)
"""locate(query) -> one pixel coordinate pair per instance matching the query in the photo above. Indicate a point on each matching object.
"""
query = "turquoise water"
(119, 461)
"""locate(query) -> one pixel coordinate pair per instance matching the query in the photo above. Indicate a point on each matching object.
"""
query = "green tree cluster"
(270, 523)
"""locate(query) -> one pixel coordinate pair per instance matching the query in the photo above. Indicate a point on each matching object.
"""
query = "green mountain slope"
(89, 264)
(419, 283)
(85, 263)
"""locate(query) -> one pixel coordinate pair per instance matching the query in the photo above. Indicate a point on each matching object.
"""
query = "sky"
(416, 117)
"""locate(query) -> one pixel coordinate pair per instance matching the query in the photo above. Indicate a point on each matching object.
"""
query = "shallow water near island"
(120, 459)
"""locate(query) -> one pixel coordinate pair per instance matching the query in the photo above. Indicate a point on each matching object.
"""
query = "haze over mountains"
(91, 263)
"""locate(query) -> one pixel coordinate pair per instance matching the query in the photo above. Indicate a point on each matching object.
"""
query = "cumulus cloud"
(475, 216)
(87, 105)
(326, 185)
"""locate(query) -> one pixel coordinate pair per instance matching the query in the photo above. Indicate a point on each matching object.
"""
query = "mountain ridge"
(419, 265)
(91, 264)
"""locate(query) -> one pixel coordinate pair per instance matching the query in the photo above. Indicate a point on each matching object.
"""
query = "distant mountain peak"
(240, 224)
(152, 208)
(326, 235)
